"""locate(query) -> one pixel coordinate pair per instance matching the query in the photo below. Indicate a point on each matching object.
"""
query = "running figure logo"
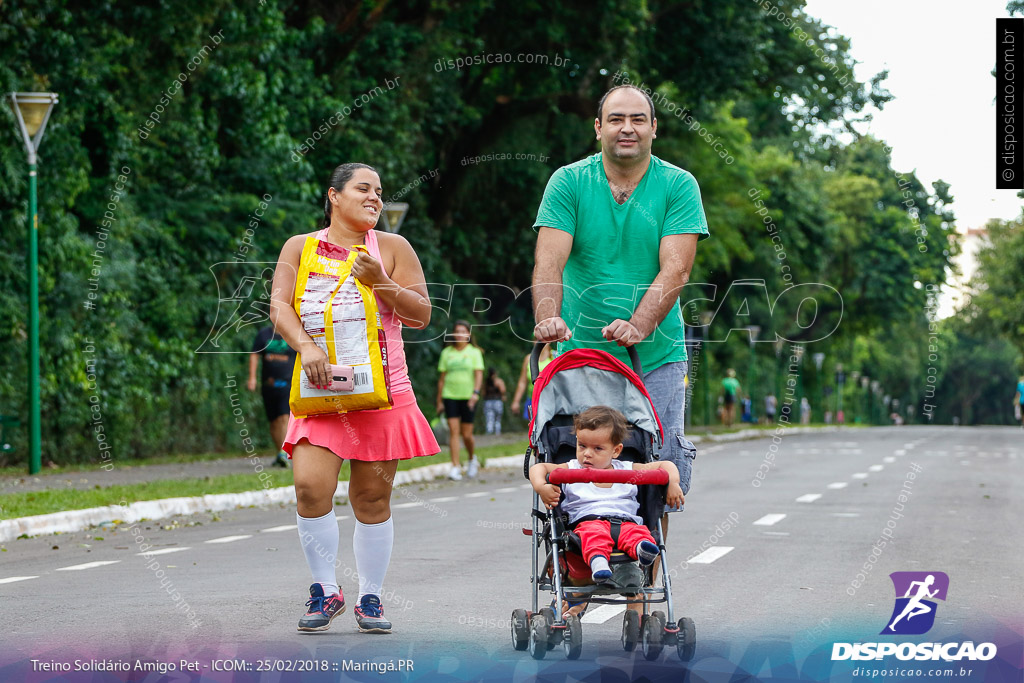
(914, 612)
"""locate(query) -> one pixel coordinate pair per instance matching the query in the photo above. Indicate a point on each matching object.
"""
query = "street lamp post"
(32, 110)
(754, 330)
(819, 360)
(705, 323)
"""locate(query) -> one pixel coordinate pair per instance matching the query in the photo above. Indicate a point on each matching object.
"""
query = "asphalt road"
(782, 571)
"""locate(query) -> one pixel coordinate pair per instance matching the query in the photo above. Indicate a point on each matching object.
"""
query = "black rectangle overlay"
(1009, 104)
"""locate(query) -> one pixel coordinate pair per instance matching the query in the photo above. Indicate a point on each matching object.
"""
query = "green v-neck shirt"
(614, 256)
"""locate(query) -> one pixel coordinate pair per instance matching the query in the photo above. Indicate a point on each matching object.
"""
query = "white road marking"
(845, 514)
(808, 498)
(446, 499)
(771, 519)
(876, 468)
(478, 494)
(87, 565)
(711, 554)
(602, 613)
(12, 579)
(900, 452)
(228, 539)
(283, 527)
(860, 475)
(888, 458)
(837, 485)
(775, 533)
(508, 489)
(406, 505)
(163, 551)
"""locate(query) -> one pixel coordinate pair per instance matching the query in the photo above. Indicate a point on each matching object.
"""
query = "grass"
(13, 505)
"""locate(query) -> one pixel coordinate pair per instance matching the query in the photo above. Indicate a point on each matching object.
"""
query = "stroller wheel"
(651, 634)
(539, 635)
(553, 634)
(572, 639)
(630, 630)
(686, 645)
(520, 629)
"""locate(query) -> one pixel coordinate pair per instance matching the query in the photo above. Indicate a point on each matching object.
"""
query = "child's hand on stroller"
(674, 496)
(550, 494)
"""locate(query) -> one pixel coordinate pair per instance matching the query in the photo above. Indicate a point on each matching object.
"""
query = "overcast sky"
(940, 54)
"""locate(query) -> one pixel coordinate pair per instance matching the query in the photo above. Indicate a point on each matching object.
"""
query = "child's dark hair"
(339, 177)
(599, 417)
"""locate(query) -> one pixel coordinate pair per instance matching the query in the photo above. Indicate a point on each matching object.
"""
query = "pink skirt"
(397, 434)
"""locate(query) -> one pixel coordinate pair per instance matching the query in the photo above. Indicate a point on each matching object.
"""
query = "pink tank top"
(398, 370)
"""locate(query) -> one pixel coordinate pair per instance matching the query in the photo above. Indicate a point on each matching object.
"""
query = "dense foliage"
(207, 110)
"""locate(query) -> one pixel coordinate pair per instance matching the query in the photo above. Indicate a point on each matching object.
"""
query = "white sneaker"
(455, 474)
(472, 468)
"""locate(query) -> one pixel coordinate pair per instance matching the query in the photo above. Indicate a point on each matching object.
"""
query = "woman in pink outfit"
(372, 440)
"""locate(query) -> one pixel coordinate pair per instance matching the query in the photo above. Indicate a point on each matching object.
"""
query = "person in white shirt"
(600, 431)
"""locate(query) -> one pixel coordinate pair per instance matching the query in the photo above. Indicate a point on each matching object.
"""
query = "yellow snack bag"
(340, 314)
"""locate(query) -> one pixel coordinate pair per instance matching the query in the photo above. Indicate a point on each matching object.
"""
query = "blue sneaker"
(646, 552)
(322, 609)
(370, 615)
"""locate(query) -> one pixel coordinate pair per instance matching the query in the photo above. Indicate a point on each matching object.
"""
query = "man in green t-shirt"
(730, 395)
(617, 233)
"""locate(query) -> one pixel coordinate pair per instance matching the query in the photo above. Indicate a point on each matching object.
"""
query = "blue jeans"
(668, 393)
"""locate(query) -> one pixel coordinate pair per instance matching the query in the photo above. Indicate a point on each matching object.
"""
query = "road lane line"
(837, 485)
(775, 533)
(228, 539)
(406, 505)
(508, 489)
(162, 551)
(87, 565)
(876, 468)
(602, 613)
(845, 514)
(771, 519)
(446, 499)
(477, 494)
(808, 498)
(283, 527)
(900, 452)
(889, 459)
(12, 579)
(711, 554)
(860, 475)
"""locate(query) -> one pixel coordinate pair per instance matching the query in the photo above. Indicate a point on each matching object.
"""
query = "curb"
(77, 520)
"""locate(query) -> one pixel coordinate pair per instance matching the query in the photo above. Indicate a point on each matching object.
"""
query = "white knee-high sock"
(371, 544)
(319, 538)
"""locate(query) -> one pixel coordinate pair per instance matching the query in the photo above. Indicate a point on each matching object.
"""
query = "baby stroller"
(574, 381)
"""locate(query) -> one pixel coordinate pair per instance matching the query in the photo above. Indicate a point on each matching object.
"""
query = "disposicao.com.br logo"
(914, 614)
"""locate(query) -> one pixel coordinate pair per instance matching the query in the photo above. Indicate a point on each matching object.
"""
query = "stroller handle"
(590, 475)
(634, 358)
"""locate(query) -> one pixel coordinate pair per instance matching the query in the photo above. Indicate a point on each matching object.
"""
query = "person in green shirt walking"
(730, 395)
(458, 391)
(616, 236)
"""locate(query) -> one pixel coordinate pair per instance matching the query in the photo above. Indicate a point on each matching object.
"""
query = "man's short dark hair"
(600, 105)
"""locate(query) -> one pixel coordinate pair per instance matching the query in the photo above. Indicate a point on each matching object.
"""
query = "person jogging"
(278, 360)
(373, 441)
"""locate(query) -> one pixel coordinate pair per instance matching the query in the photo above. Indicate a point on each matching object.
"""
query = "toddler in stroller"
(604, 515)
(599, 495)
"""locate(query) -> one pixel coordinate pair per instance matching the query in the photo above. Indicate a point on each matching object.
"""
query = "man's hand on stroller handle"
(623, 332)
(552, 329)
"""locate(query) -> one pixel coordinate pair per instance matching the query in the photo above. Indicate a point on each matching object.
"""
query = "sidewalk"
(138, 474)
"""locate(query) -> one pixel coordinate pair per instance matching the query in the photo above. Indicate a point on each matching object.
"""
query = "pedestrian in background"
(525, 384)
(458, 390)
(494, 401)
(730, 395)
(770, 405)
(278, 362)
(805, 411)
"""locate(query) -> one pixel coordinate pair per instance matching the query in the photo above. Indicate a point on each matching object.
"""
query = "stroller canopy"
(581, 378)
